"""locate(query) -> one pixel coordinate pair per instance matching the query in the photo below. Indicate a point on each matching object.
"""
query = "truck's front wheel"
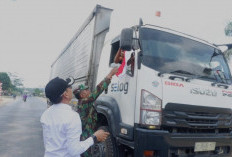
(106, 148)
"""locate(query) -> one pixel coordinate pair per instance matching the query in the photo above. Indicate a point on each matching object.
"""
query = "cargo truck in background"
(174, 99)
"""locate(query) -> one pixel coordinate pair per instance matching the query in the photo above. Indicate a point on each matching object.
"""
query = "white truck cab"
(174, 99)
(178, 102)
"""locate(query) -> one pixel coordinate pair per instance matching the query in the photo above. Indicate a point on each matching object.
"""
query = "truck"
(174, 99)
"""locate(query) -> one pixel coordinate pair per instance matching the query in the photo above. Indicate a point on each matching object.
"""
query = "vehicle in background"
(24, 97)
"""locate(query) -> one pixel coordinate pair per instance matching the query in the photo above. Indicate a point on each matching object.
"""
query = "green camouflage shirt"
(88, 113)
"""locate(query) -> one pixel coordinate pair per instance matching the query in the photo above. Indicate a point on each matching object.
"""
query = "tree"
(16, 81)
(228, 32)
(17, 84)
(37, 92)
(6, 82)
(228, 29)
(228, 54)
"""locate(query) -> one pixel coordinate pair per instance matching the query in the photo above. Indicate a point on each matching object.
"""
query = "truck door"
(123, 86)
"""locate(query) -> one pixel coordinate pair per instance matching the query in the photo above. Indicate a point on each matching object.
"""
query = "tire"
(106, 148)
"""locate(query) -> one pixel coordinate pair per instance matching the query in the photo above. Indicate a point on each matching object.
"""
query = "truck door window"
(114, 50)
(117, 55)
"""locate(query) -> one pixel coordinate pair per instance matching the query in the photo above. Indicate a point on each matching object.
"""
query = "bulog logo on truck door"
(120, 87)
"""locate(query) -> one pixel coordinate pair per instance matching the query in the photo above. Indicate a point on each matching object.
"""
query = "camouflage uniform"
(88, 113)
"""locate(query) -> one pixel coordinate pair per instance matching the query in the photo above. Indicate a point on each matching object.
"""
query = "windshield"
(166, 52)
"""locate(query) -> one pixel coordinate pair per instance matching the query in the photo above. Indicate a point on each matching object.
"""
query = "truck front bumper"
(165, 144)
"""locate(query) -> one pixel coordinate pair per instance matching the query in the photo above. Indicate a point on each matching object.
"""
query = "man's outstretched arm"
(100, 87)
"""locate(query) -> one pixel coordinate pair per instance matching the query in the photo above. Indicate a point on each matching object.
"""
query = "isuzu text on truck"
(174, 100)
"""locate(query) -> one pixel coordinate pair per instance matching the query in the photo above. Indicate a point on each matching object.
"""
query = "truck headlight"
(151, 109)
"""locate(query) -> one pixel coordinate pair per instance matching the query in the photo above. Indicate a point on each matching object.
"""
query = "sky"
(34, 32)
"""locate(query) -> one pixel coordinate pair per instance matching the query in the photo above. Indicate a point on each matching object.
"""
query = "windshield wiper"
(175, 71)
(176, 77)
(194, 77)
(219, 85)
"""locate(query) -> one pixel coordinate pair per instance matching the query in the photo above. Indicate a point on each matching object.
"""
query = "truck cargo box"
(80, 58)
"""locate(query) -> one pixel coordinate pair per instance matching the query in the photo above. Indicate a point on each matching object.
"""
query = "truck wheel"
(106, 148)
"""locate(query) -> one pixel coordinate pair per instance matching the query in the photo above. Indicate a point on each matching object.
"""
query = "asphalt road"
(20, 128)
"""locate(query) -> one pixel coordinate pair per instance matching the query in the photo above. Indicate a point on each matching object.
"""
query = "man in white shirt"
(62, 126)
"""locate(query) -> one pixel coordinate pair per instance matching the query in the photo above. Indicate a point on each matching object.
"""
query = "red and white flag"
(122, 69)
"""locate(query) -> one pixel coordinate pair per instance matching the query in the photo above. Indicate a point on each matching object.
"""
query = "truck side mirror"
(126, 39)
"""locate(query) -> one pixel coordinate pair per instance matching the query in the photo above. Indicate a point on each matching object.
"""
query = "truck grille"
(189, 118)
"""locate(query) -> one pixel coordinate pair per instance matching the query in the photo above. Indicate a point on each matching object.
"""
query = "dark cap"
(55, 88)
